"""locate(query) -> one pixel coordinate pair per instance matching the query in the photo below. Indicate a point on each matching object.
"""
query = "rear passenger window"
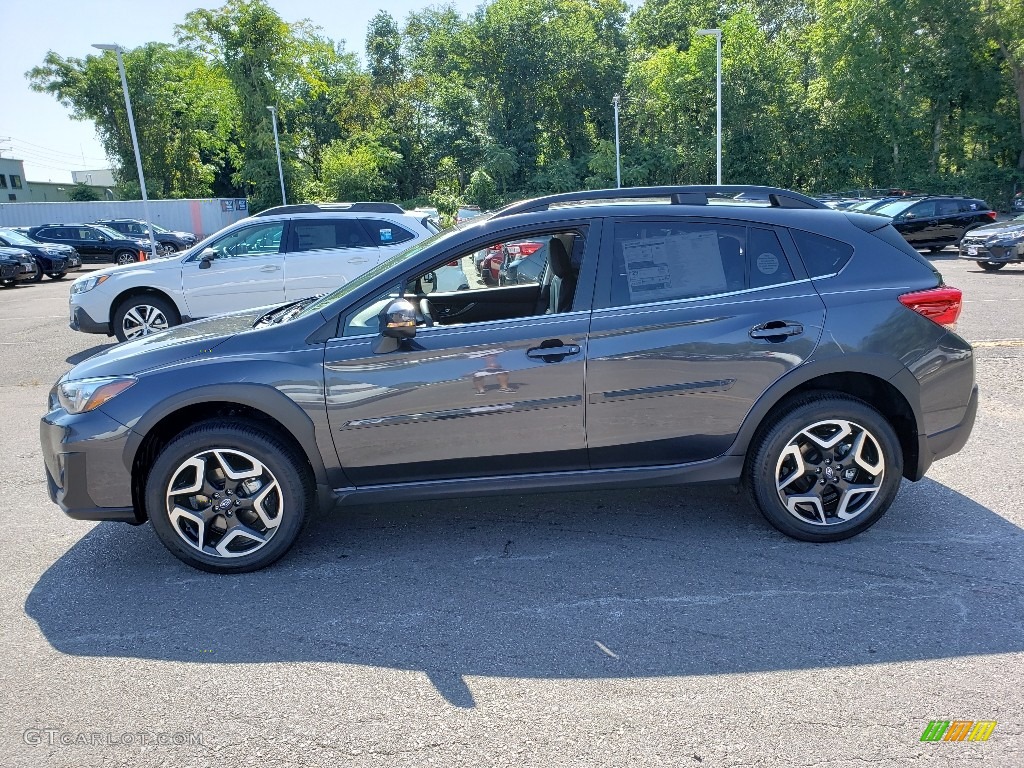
(663, 261)
(386, 233)
(822, 255)
(327, 235)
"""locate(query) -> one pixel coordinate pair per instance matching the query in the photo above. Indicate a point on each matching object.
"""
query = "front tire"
(991, 266)
(56, 275)
(125, 257)
(228, 498)
(827, 468)
(142, 315)
(39, 275)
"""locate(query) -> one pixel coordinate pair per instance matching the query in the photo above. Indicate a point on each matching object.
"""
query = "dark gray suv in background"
(673, 336)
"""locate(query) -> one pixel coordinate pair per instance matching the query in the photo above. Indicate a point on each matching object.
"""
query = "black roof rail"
(678, 195)
(279, 210)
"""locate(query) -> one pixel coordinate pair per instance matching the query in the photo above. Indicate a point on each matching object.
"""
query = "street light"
(135, 139)
(277, 144)
(618, 165)
(718, 100)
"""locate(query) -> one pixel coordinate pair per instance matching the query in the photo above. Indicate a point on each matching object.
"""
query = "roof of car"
(362, 207)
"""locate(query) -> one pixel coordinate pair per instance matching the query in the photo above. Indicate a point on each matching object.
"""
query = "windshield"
(894, 208)
(16, 238)
(380, 269)
(109, 232)
(158, 228)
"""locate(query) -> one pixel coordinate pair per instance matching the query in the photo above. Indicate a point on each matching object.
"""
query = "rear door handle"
(552, 351)
(270, 268)
(776, 330)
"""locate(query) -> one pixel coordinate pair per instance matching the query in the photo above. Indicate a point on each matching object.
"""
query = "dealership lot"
(663, 626)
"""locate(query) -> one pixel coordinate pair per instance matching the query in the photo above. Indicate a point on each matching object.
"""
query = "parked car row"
(123, 241)
(807, 354)
(54, 261)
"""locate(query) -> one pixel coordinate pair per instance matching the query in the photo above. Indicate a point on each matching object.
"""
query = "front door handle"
(553, 351)
(776, 330)
(270, 268)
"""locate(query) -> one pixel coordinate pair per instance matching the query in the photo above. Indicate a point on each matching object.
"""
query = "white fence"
(203, 217)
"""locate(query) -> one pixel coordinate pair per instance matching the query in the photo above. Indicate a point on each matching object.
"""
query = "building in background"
(15, 188)
(101, 177)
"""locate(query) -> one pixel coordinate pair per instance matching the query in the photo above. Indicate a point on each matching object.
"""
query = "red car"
(495, 256)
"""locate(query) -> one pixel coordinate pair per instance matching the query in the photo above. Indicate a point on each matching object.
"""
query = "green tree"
(260, 54)
(481, 190)
(184, 115)
(82, 193)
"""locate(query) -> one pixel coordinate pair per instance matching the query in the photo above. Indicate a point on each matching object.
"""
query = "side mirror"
(398, 320)
(397, 324)
(101, 239)
(909, 216)
(206, 257)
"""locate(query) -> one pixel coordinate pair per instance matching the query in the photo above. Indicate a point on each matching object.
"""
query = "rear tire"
(226, 497)
(936, 248)
(826, 468)
(141, 315)
(991, 266)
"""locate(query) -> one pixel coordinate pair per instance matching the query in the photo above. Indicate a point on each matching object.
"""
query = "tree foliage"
(515, 99)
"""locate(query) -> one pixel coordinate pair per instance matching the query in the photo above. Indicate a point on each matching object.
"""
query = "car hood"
(171, 346)
(160, 262)
(49, 249)
(999, 228)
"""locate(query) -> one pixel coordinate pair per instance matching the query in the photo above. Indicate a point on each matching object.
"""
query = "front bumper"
(82, 321)
(27, 273)
(83, 457)
(995, 253)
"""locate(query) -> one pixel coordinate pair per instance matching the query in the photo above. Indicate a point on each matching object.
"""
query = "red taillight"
(941, 305)
(992, 215)
(527, 249)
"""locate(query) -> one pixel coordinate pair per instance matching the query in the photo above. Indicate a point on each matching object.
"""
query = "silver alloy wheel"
(127, 258)
(224, 503)
(830, 472)
(142, 320)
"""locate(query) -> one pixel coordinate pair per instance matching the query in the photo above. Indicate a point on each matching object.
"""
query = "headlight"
(83, 286)
(86, 394)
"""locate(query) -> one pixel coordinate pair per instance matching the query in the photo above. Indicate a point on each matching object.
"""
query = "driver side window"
(256, 240)
(524, 276)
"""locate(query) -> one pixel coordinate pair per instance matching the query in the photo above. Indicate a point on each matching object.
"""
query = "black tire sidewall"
(990, 266)
(169, 310)
(56, 275)
(282, 462)
(761, 468)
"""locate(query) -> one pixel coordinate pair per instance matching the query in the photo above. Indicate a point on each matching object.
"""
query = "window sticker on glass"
(767, 263)
(385, 236)
(674, 267)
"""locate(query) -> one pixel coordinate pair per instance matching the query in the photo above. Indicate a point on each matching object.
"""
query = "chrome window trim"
(708, 297)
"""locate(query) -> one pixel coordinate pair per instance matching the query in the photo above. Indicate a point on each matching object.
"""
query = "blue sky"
(38, 130)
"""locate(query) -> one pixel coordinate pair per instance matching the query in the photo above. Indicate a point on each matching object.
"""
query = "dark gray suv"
(673, 336)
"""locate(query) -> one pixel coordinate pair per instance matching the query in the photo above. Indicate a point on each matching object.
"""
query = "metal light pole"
(618, 164)
(718, 100)
(277, 144)
(135, 139)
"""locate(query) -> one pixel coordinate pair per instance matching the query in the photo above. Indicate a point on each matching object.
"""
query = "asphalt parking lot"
(656, 627)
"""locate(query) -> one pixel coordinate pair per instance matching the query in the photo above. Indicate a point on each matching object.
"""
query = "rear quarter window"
(386, 232)
(823, 255)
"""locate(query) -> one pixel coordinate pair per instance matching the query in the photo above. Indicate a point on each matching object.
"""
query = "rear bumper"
(83, 458)
(948, 441)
